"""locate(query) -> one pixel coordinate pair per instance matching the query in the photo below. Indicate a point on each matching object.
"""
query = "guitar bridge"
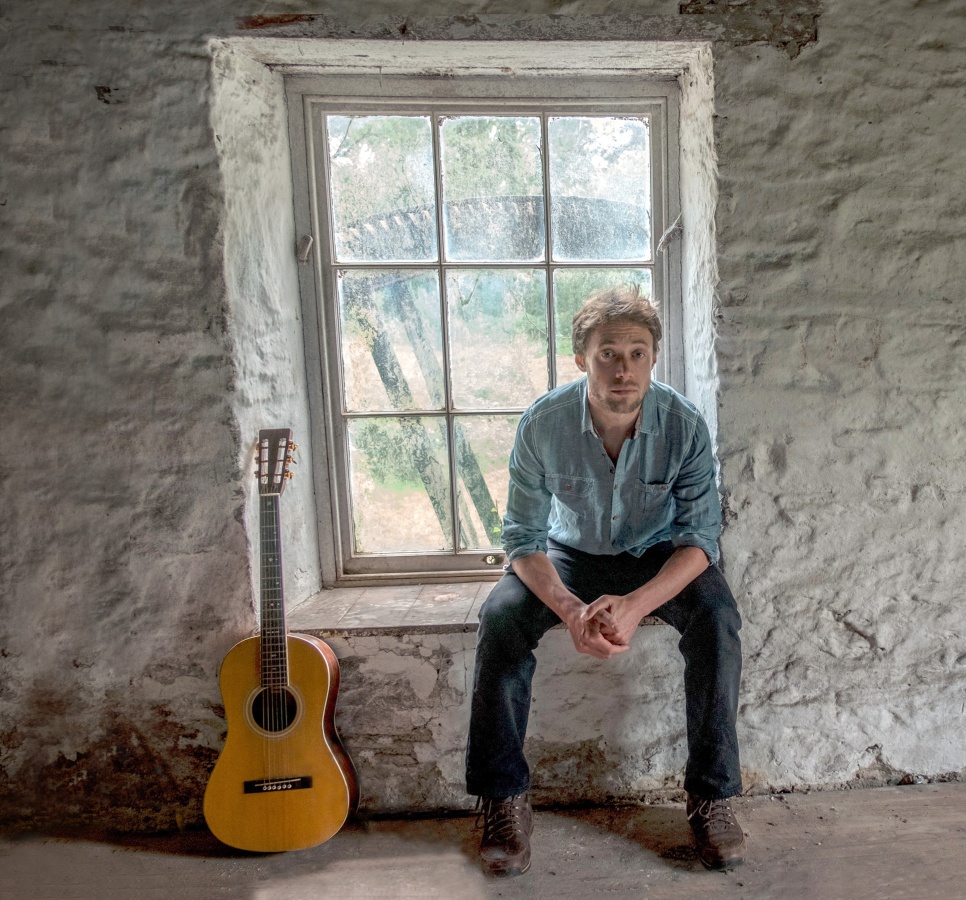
(270, 785)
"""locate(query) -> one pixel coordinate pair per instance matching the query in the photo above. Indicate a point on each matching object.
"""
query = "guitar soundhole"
(274, 709)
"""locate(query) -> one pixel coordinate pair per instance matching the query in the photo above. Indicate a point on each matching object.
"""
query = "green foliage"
(380, 164)
(388, 460)
(491, 300)
(491, 156)
(583, 149)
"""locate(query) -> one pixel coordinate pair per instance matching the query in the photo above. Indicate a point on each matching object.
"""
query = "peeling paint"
(247, 23)
(789, 27)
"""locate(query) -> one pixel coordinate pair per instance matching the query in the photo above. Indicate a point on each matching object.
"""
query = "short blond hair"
(621, 303)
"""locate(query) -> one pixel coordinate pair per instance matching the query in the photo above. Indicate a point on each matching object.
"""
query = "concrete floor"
(902, 842)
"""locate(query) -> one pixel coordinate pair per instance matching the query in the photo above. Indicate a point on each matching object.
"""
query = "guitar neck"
(274, 647)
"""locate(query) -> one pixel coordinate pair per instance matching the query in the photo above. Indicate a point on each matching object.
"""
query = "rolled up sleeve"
(697, 516)
(526, 523)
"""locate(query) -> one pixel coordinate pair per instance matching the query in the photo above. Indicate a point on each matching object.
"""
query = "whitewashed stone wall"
(597, 731)
(843, 394)
(144, 282)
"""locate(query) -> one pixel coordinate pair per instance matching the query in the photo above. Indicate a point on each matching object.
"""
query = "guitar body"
(283, 780)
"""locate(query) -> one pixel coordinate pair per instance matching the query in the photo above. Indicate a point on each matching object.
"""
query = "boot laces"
(716, 815)
(502, 818)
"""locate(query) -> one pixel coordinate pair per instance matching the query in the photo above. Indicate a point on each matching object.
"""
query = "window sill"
(399, 609)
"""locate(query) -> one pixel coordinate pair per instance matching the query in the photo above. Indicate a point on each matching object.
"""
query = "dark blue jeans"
(512, 621)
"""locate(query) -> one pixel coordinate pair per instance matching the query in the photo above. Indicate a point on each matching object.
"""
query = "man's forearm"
(619, 615)
(683, 566)
(537, 573)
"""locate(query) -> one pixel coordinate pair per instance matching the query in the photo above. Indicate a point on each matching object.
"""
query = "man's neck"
(613, 428)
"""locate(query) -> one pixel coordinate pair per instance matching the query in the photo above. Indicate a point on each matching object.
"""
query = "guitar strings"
(272, 634)
(274, 647)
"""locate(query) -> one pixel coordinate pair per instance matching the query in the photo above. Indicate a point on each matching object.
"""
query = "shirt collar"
(586, 422)
(646, 421)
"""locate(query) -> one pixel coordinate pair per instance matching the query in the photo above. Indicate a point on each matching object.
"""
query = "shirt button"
(615, 519)
(611, 471)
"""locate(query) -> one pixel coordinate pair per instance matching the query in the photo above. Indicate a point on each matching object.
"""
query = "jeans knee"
(499, 612)
(513, 616)
(714, 611)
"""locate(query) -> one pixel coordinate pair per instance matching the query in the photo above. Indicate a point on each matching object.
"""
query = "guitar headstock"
(273, 458)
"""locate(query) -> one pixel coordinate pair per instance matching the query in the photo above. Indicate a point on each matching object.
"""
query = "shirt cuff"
(691, 539)
(525, 550)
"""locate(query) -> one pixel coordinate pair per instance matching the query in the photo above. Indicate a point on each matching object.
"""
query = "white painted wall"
(142, 282)
(843, 396)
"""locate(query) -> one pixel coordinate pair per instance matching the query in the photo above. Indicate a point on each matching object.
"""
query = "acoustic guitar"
(283, 780)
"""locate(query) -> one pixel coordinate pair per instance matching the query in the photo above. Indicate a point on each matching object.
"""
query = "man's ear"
(580, 363)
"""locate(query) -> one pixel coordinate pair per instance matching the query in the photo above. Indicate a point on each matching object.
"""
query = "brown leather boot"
(719, 837)
(507, 826)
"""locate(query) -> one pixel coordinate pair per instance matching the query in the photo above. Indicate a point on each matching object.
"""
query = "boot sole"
(506, 871)
(720, 865)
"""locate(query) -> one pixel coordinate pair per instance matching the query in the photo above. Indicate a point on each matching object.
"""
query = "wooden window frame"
(589, 94)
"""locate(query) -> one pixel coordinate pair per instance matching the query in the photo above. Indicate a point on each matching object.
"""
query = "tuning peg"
(292, 446)
(289, 474)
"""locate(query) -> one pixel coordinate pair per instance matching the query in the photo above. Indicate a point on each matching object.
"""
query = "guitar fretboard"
(274, 648)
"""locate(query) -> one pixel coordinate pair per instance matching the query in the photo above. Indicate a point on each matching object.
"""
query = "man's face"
(618, 364)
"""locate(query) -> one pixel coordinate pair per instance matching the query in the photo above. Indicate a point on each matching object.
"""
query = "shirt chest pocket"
(655, 503)
(574, 493)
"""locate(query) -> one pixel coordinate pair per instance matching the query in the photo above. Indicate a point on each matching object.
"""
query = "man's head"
(615, 336)
(622, 303)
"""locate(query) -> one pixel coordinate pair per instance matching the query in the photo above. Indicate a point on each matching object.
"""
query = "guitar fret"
(274, 645)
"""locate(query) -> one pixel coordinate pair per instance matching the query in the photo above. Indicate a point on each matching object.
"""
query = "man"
(612, 515)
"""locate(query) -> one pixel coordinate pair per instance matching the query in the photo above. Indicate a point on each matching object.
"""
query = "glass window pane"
(482, 453)
(571, 287)
(492, 174)
(503, 313)
(383, 194)
(600, 188)
(399, 485)
(392, 357)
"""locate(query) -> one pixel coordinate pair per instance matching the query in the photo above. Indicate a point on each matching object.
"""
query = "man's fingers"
(600, 646)
(611, 650)
(599, 609)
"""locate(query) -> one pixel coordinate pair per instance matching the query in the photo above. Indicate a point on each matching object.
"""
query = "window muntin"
(440, 328)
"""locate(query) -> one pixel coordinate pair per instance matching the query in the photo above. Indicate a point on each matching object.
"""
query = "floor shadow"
(413, 835)
(456, 830)
(661, 830)
(192, 842)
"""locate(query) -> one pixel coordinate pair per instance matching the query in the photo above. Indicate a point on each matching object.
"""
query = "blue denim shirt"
(563, 485)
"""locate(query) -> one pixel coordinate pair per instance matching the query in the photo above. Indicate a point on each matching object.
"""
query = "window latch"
(304, 247)
(672, 232)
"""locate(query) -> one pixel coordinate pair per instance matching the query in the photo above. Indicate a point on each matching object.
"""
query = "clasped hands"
(605, 627)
